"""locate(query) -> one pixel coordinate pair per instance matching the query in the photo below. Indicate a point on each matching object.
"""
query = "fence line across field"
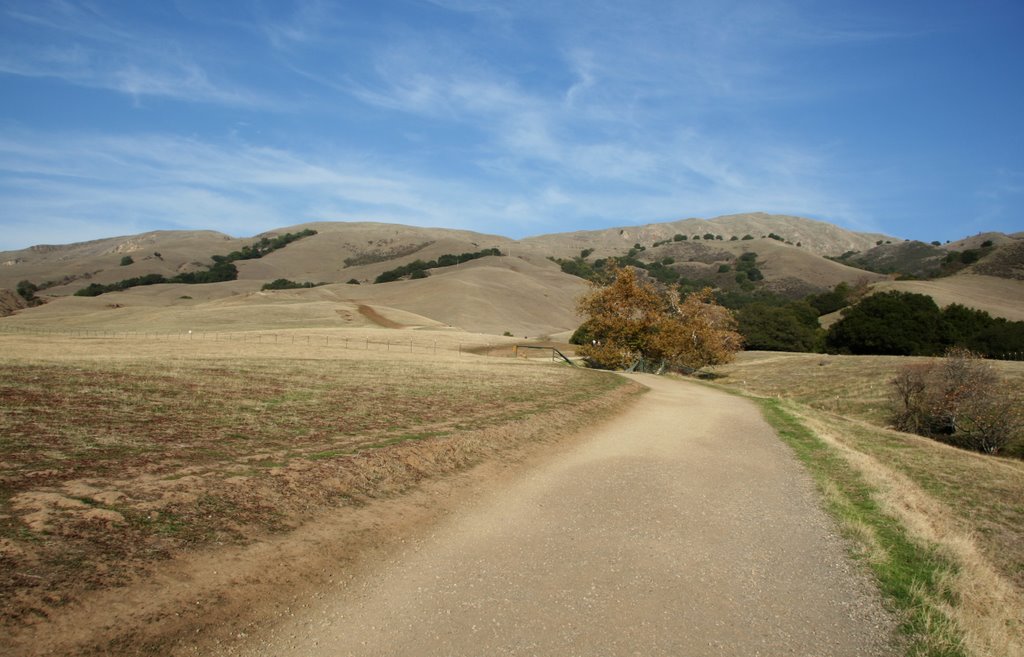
(365, 344)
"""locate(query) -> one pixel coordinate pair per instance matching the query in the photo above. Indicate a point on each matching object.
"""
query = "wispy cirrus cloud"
(85, 46)
(74, 181)
(508, 117)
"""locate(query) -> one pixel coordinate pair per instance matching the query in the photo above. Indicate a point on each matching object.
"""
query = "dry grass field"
(999, 297)
(120, 452)
(965, 507)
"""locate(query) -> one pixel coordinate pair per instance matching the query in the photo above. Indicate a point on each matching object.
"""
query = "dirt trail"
(683, 527)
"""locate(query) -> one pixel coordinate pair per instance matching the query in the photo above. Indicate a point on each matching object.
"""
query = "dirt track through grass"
(681, 527)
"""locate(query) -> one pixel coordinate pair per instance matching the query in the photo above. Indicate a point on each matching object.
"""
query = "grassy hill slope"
(522, 292)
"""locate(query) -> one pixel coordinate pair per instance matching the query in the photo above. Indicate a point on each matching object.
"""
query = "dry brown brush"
(961, 400)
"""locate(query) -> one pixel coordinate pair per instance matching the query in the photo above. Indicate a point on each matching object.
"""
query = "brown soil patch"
(378, 319)
(10, 302)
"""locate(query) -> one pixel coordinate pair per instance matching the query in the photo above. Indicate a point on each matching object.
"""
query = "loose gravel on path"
(683, 527)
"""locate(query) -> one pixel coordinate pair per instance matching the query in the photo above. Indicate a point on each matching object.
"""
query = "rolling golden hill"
(522, 292)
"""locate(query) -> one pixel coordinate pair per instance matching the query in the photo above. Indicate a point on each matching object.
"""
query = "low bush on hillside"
(381, 255)
(961, 401)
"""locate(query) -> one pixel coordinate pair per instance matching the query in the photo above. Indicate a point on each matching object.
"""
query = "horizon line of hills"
(457, 278)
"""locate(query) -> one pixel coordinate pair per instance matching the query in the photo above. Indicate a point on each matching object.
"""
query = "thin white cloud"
(614, 114)
(62, 180)
(85, 46)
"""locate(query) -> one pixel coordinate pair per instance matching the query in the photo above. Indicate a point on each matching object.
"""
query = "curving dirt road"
(683, 527)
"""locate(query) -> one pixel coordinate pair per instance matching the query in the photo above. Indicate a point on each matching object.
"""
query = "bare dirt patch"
(378, 319)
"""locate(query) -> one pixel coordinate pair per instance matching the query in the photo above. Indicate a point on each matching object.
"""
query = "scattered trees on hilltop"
(221, 270)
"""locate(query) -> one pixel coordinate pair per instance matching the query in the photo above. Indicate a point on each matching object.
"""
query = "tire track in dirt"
(682, 527)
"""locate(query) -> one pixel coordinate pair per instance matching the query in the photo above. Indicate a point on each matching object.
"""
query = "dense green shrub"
(908, 324)
(829, 302)
(892, 323)
(127, 260)
(792, 327)
(27, 291)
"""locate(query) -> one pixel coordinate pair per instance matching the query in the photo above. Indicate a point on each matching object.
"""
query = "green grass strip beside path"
(910, 576)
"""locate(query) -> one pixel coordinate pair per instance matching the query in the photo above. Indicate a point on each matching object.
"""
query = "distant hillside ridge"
(818, 237)
(525, 287)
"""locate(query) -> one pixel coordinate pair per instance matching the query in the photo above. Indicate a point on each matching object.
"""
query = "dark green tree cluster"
(285, 284)
(746, 269)
(831, 301)
(418, 268)
(597, 271)
(221, 270)
(264, 247)
(908, 324)
(791, 326)
(27, 291)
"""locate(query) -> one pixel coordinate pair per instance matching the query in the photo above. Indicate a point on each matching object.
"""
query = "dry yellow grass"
(970, 507)
(120, 452)
(999, 297)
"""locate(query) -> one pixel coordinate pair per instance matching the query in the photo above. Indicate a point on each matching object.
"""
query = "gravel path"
(683, 527)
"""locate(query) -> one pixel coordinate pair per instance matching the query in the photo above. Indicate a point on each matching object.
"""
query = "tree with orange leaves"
(630, 319)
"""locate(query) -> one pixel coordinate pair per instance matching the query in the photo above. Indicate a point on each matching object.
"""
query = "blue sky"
(516, 118)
